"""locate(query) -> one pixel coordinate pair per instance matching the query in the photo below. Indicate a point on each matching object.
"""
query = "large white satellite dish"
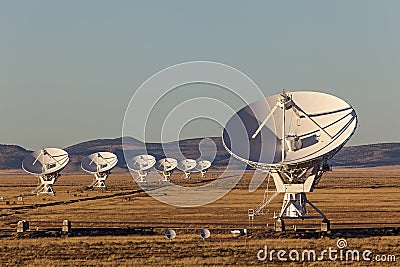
(291, 135)
(46, 164)
(100, 165)
(142, 165)
(187, 165)
(202, 166)
(166, 166)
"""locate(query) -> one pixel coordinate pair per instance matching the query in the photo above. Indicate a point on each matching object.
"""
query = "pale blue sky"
(63, 62)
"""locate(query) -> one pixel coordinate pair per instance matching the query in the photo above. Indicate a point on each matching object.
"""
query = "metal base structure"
(100, 180)
(295, 185)
(325, 225)
(279, 225)
(166, 176)
(46, 184)
(294, 206)
(142, 176)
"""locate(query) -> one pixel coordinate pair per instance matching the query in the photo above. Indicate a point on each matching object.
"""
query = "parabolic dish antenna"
(46, 163)
(142, 165)
(205, 233)
(187, 165)
(100, 165)
(316, 126)
(166, 166)
(202, 166)
(291, 135)
(170, 234)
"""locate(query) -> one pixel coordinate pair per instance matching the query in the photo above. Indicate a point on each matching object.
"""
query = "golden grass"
(185, 250)
(349, 198)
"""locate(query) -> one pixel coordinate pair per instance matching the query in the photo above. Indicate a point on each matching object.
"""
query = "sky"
(68, 69)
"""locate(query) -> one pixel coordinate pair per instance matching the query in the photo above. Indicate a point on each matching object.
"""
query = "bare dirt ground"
(124, 226)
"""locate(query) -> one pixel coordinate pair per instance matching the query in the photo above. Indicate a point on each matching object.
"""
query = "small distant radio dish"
(187, 165)
(46, 163)
(170, 234)
(100, 165)
(142, 165)
(166, 166)
(204, 233)
(203, 166)
(291, 136)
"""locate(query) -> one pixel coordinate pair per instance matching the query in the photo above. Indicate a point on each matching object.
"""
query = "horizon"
(185, 139)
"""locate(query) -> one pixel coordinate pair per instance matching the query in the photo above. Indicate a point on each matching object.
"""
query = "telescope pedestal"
(166, 176)
(294, 206)
(295, 200)
(46, 184)
(100, 180)
(142, 176)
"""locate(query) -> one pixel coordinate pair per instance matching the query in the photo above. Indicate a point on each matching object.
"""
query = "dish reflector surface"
(170, 234)
(305, 141)
(166, 164)
(141, 162)
(45, 161)
(187, 164)
(203, 165)
(205, 233)
(99, 162)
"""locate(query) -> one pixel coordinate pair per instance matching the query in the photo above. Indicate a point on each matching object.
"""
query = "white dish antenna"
(170, 234)
(46, 163)
(100, 165)
(142, 165)
(187, 165)
(289, 135)
(312, 128)
(166, 166)
(205, 233)
(202, 166)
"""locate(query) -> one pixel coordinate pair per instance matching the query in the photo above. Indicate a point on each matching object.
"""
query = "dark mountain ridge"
(11, 156)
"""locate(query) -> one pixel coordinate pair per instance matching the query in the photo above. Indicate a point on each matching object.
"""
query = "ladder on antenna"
(260, 210)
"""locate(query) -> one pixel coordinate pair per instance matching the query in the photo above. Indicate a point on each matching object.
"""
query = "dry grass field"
(123, 226)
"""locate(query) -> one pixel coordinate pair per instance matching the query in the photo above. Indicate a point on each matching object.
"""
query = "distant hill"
(372, 155)
(11, 156)
(189, 149)
(383, 154)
